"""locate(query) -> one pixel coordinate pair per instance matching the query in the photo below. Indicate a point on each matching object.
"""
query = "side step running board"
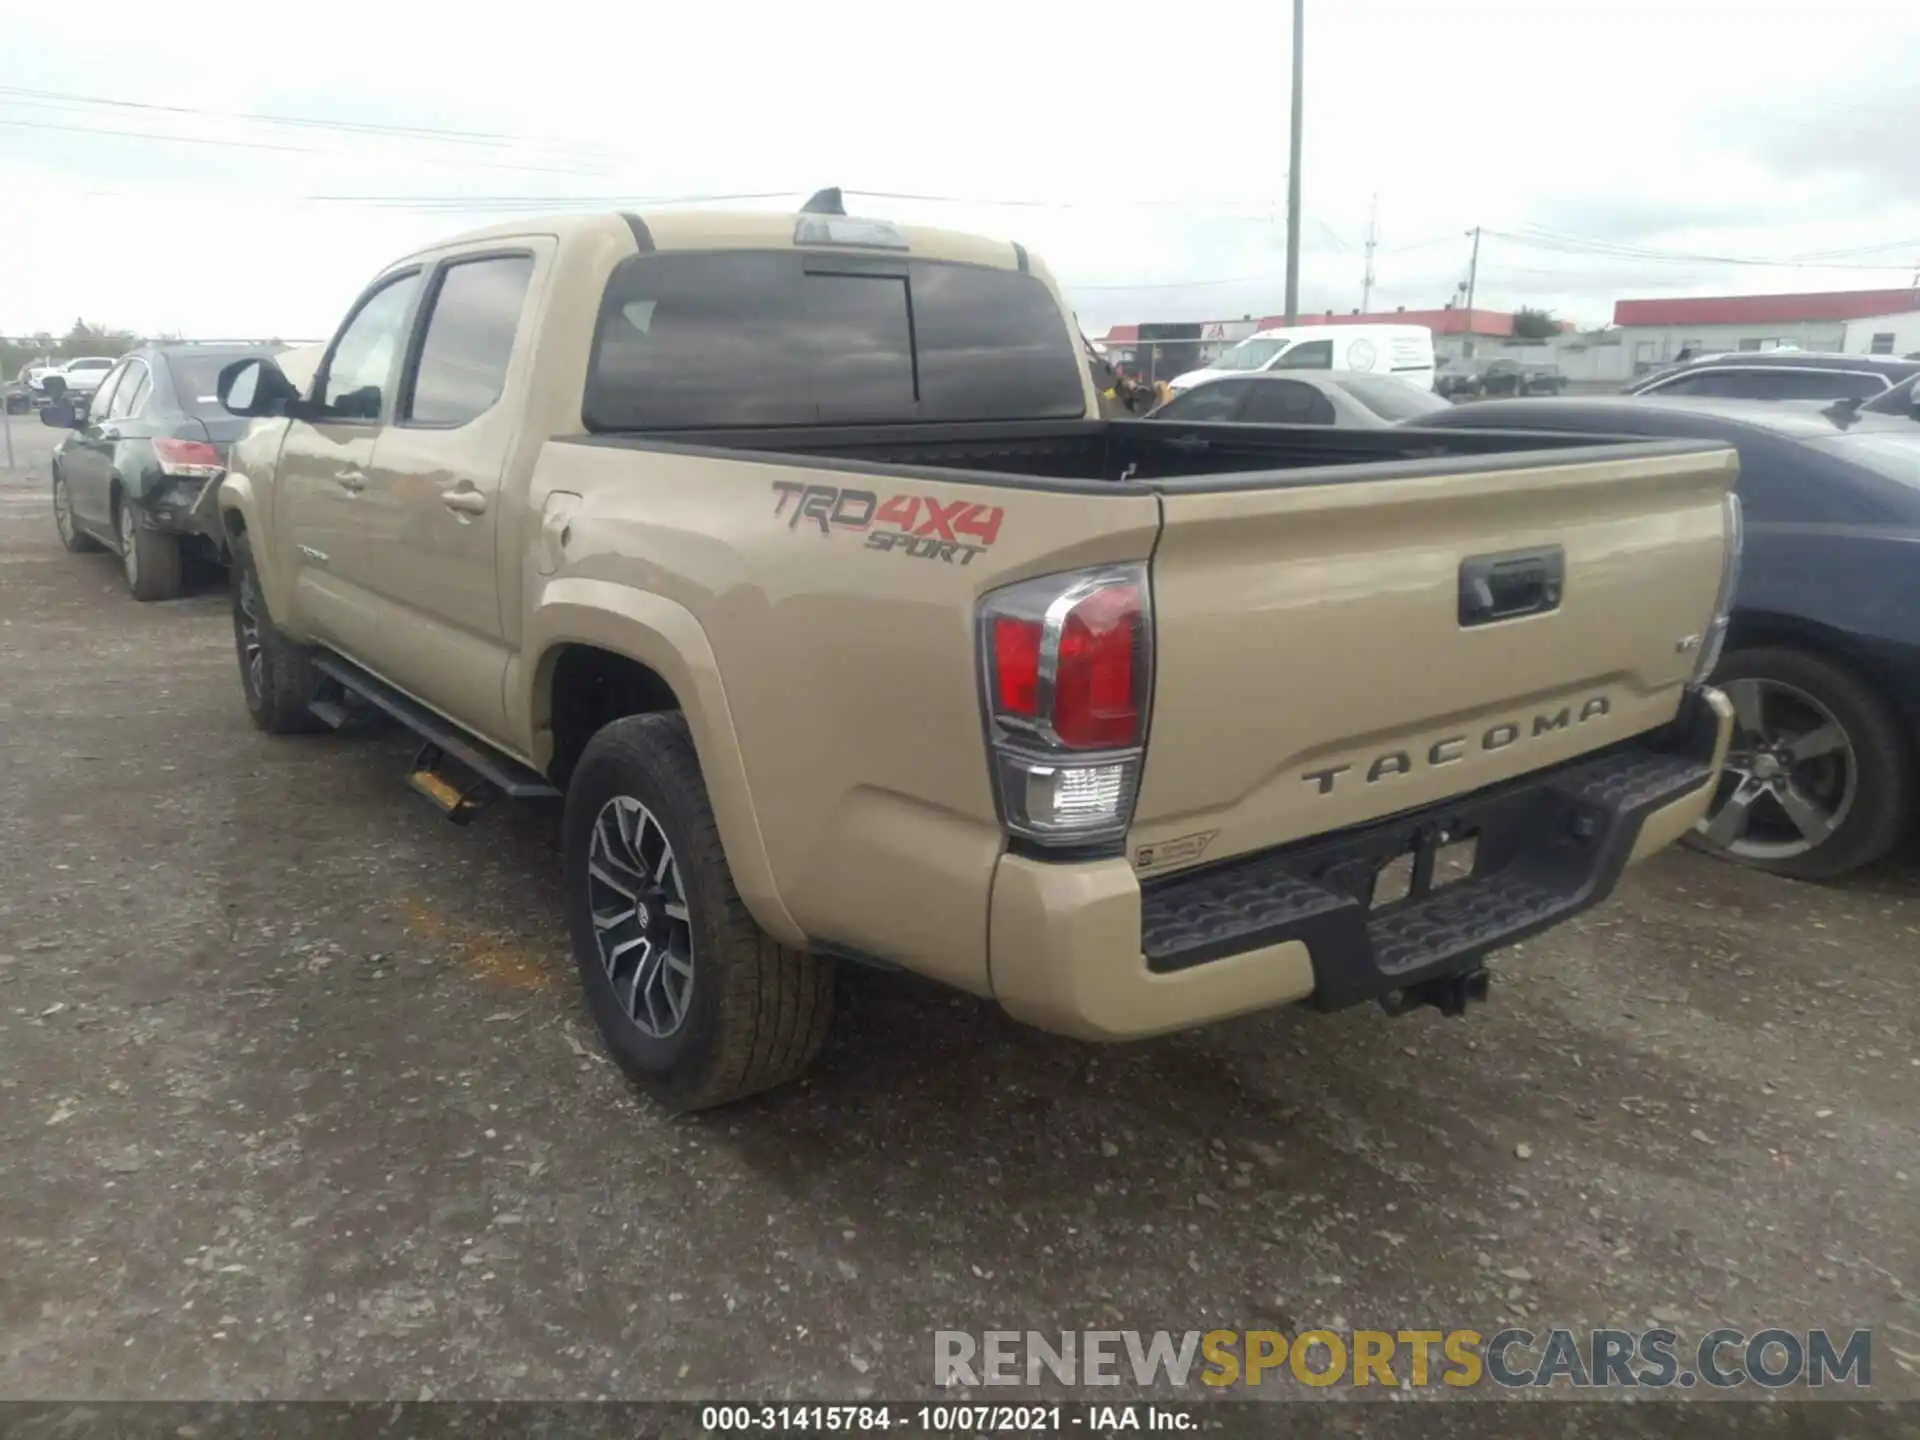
(443, 742)
(456, 796)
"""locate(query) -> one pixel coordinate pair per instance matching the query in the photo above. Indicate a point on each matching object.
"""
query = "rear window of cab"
(796, 337)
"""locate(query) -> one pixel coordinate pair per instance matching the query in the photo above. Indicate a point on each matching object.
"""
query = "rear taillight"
(1067, 665)
(194, 459)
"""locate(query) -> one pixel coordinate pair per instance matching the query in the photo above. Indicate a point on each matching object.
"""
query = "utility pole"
(1293, 170)
(1473, 275)
(1373, 241)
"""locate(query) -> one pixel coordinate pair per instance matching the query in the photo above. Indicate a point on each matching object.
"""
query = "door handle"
(464, 502)
(352, 481)
(1510, 585)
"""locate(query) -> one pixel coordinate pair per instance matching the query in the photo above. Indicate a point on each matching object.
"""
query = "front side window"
(463, 360)
(1215, 401)
(1249, 355)
(1882, 344)
(1705, 382)
(1309, 355)
(701, 339)
(360, 371)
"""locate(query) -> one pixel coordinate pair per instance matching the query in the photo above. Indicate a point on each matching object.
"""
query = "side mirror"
(60, 415)
(54, 385)
(257, 388)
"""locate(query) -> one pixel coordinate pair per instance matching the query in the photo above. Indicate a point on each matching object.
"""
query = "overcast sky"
(1610, 147)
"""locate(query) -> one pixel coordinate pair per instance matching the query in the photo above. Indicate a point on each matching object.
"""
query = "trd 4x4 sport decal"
(922, 527)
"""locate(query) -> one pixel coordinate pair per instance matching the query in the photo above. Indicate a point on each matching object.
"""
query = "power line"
(66, 99)
(224, 143)
(1180, 284)
(458, 203)
(1567, 244)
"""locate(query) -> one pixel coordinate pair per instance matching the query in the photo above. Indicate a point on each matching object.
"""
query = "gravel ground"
(298, 1099)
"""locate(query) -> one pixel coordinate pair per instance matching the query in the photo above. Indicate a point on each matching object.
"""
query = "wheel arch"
(1777, 630)
(240, 511)
(594, 652)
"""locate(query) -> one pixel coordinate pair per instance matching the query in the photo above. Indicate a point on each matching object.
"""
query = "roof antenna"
(825, 202)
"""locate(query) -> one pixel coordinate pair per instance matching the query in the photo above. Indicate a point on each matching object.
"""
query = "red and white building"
(1655, 332)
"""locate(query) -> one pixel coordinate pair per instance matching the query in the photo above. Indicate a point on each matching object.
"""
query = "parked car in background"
(1521, 377)
(1457, 379)
(1778, 375)
(1822, 661)
(24, 392)
(1367, 402)
(1402, 350)
(80, 376)
(139, 471)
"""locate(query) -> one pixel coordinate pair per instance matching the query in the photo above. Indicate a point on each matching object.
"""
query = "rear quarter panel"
(1847, 589)
(844, 664)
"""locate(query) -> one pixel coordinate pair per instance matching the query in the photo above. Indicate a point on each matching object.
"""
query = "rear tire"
(76, 540)
(696, 1003)
(1860, 776)
(275, 675)
(152, 560)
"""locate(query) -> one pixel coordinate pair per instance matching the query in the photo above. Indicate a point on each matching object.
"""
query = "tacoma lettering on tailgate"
(922, 527)
(1454, 748)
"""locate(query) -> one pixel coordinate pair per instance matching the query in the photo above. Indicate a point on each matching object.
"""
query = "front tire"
(695, 1002)
(1820, 774)
(76, 541)
(275, 675)
(152, 560)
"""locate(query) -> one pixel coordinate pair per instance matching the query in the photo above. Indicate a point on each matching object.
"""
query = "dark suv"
(1777, 375)
(1823, 661)
(140, 469)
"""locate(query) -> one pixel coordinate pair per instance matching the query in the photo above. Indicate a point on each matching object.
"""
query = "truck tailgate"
(1326, 655)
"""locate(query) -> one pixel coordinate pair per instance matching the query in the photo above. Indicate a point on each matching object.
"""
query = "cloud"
(1631, 123)
(1862, 139)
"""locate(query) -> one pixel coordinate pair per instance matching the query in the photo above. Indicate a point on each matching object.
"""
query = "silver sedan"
(1337, 397)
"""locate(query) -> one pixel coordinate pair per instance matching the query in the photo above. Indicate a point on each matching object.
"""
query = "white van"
(1405, 351)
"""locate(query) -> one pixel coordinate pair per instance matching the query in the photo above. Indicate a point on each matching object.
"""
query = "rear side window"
(463, 360)
(794, 337)
(1288, 402)
(1394, 399)
(196, 375)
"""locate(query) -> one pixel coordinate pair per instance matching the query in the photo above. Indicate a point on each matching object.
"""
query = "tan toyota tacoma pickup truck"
(792, 552)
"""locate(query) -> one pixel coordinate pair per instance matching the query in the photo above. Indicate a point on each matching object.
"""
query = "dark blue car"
(1823, 661)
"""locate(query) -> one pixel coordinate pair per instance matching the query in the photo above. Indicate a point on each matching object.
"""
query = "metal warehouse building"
(1655, 332)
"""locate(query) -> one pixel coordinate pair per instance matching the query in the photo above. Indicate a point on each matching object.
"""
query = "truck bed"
(1097, 455)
